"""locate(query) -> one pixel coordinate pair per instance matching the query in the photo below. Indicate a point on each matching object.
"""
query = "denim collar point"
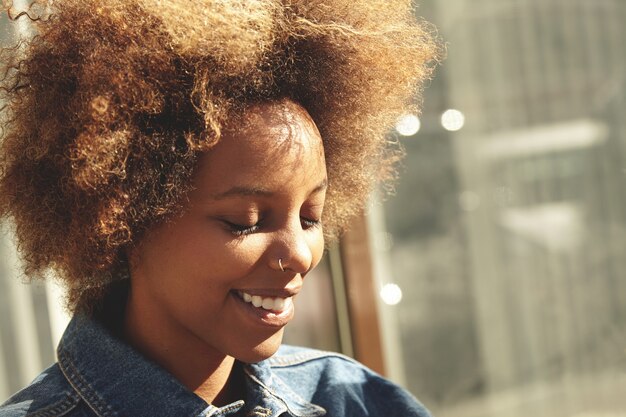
(277, 395)
(116, 381)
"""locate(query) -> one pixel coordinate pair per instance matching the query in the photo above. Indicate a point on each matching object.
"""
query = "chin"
(262, 351)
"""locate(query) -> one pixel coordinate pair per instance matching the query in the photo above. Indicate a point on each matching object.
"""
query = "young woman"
(179, 165)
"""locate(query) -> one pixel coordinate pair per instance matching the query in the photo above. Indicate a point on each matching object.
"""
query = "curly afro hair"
(107, 107)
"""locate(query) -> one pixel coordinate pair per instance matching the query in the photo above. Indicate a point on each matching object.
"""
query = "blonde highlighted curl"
(106, 108)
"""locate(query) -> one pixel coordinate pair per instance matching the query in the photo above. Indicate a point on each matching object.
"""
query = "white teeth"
(257, 301)
(273, 304)
(268, 304)
(279, 304)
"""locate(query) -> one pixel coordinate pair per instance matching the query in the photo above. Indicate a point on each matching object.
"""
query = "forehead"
(283, 126)
(278, 118)
(267, 144)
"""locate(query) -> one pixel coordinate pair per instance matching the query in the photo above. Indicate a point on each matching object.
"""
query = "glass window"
(506, 240)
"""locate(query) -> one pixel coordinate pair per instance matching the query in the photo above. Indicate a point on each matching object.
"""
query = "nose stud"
(280, 264)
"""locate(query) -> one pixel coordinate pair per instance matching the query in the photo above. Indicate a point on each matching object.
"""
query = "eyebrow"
(258, 191)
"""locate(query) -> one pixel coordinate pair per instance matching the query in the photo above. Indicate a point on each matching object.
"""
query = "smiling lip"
(267, 317)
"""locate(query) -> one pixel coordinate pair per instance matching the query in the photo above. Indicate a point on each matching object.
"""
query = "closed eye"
(309, 223)
(241, 229)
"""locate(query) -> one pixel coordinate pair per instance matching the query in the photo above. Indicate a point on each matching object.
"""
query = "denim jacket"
(97, 374)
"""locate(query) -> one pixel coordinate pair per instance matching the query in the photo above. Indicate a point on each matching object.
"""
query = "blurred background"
(493, 283)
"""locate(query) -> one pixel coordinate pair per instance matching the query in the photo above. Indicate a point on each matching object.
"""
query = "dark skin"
(258, 197)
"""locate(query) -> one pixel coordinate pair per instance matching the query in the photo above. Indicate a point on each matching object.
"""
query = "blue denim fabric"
(99, 375)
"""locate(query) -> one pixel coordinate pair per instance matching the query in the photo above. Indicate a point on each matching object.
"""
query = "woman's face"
(258, 199)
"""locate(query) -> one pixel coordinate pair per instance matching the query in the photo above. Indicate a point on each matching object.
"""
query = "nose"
(293, 249)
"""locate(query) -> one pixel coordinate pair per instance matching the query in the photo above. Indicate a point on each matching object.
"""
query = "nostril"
(296, 250)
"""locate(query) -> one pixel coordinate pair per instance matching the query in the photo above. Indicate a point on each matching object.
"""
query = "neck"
(209, 374)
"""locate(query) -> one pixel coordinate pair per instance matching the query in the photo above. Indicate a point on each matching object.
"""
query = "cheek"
(239, 257)
(219, 261)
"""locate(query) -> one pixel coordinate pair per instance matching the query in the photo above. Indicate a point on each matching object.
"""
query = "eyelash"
(309, 223)
(239, 230)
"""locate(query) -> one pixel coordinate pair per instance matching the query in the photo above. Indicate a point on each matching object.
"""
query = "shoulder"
(306, 364)
(48, 395)
(336, 381)
(288, 356)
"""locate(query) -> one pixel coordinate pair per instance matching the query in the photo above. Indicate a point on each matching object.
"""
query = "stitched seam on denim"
(293, 395)
(217, 411)
(263, 386)
(300, 358)
(289, 393)
(83, 388)
(57, 409)
(260, 411)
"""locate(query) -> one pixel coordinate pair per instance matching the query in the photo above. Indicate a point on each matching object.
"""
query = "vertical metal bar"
(20, 298)
(26, 336)
(56, 314)
(5, 389)
(390, 333)
(361, 295)
(341, 301)
(4, 377)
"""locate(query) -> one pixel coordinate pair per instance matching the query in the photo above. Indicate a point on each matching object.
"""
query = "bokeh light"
(452, 120)
(391, 294)
(408, 125)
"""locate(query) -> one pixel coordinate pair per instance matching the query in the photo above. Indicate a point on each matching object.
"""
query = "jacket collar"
(116, 381)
